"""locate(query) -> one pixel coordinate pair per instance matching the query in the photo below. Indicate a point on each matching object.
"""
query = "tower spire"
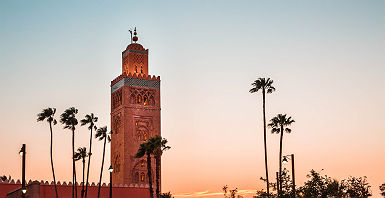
(135, 39)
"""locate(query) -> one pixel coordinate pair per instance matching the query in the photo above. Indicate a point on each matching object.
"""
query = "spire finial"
(135, 39)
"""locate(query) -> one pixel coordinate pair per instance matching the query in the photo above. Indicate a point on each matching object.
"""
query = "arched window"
(136, 69)
(139, 99)
(139, 136)
(142, 163)
(142, 177)
(145, 100)
(145, 136)
(141, 69)
(136, 177)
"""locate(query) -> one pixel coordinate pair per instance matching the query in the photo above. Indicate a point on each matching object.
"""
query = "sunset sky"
(327, 60)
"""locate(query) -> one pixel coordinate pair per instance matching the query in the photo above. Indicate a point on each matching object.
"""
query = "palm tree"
(48, 114)
(159, 145)
(166, 195)
(278, 125)
(265, 85)
(101, 133)
(90, 120)
(69, 120)
(224, 189)
(146, 148)
(81, 155)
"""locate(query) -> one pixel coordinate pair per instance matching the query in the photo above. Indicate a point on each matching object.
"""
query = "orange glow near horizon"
(326, 59)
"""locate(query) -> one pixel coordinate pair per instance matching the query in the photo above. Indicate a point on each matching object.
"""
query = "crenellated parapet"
(65, 184)
(135, 79)
(135, 76)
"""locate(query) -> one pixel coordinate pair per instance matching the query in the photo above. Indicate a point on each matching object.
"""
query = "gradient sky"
(327, 59)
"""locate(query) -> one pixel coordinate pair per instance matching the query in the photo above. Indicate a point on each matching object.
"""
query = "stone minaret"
(135, 115)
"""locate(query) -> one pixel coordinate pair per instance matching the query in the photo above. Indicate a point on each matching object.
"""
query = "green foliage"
(90, 120)
(101, 133)
(159, 145)
(4, 178)
(264, 84)
(382, 188)
(48, 114)
(68, 118)
(166, 195)
(320, 186)
(279, 122)
(324, 186)
(232, 192)
(81, 154)
(356, 187)
(144, 148)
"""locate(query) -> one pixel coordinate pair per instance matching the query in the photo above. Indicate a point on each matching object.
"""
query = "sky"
(327, 60)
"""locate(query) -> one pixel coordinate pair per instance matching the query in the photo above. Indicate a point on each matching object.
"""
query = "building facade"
(135, 115)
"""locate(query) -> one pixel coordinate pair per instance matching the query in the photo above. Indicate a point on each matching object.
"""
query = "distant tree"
(68, 118)
(102, 134)
(263, 194)
(90, 121)
(81, 154)
(356, 187)
(320, 186)
(159, 145)
(278, 125)
(47, 114)
(146, 148)
(166, 195)
(233, 192)
(224, 189)
(287, 184)
(3, 178)
(382, 188)
(265, 85)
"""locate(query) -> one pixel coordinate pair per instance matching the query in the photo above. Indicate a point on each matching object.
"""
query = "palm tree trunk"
(264, 143)
(75, 190)
(149, 170)
(73, 164)
(280, 163)
(52, 167)
(89, 162)
(84, 164)
(101, 170)
(157, 161)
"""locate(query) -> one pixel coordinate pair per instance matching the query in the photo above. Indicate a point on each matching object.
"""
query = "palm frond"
(68, 118)
(142, 150)
(101, 133)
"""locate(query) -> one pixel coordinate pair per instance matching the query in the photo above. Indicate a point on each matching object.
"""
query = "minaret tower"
(135, 115)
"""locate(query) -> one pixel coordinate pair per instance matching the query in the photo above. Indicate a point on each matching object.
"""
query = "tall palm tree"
(90, 120)
(102, 134)
(160, 145)
(69, 120)
(47, 114)
(278, 125)
(146, 148)
(265, 85)
(81, 155)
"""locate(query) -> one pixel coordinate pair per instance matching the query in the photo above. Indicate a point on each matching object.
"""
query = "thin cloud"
(208, 193)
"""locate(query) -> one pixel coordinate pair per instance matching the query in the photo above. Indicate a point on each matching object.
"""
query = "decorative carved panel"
(116, 99)
(117, 123)
(143, 96)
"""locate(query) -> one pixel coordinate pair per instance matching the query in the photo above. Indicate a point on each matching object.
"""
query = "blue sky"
(326, 58)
